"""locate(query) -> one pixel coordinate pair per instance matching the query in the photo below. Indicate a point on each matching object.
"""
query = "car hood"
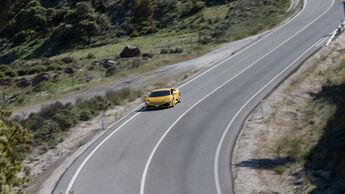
(158, 99)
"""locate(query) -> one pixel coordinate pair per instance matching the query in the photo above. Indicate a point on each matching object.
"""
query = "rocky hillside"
(42, 28)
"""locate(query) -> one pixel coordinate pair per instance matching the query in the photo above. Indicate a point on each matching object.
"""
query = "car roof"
(162, 89)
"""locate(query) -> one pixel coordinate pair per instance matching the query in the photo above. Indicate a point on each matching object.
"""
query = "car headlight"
(147, 102)
(168, 99)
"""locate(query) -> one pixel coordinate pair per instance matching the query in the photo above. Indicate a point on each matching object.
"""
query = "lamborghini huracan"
(162, 98)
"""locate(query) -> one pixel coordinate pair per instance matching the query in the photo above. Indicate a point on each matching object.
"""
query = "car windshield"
(160, 93)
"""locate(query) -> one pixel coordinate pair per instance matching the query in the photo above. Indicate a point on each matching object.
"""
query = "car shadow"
(264, 163)
(143, 109)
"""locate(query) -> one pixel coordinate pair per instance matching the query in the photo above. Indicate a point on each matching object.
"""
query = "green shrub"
(279, 169)
(98, 103)
(90, 56)
(37, 69)
(14, 141)
(47, 132)
(191, 8)
(2, 74)
(11, 73)
(52, 109)
(117, 97)
(111, 71)
(113, 97)
(24, 36)
(85, 115)
(134, 95)
(65, 120)
(68, 59)
(54, 67)
(290, 147)
(44, 86)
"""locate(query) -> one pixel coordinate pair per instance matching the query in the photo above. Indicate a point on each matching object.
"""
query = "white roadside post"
(262, 111)
(102, 120)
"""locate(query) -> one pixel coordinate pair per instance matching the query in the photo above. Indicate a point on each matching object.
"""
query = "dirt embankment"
(271, 153)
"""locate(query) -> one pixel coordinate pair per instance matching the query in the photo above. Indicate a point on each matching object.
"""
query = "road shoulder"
(257, 166)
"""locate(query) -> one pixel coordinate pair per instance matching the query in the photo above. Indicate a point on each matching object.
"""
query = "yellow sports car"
(162, 98)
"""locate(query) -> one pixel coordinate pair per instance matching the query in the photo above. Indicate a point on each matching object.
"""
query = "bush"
(14, 141)
(33, 16)
(37, 69)
(55, 67)
(117, 97)
(50, 110)
(47, 132)
(279, 170)
(90, 56)
(68, 59)
(85, 115)
(98, 103)
(191, 8)
(65, 120)
(111, 71)
(11, 73)
(113, 97)
(289, 147)
(142, 11)
(24, 36)
(44, 86)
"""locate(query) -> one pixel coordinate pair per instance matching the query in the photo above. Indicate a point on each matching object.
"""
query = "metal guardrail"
(336, 32)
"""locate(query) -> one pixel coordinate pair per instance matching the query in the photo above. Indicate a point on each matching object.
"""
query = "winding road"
(187, 149)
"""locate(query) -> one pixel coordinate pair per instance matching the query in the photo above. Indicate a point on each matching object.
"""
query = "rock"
(176, 50)
(130, 51)
(23, 83)
(75, 66)
(108, 63)
(291, 114)
(5, 82)
(40, 78)
(69, 70)
(67, 59)
(56, 77)
(147, 55)
(164, 51)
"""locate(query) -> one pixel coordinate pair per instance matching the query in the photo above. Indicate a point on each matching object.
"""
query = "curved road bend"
(187, 149)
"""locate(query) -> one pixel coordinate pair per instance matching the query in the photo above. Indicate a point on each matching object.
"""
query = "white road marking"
(228, 58)
(93, 151)
(216, 161)
(321, 42)
(117, 129)
(143, 180)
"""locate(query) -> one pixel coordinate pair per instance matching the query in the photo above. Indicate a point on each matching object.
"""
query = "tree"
(33, 16)
(142, 11)
(80, 24)
(13, 146)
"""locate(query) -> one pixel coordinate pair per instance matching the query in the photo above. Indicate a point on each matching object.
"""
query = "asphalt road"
(187, 149)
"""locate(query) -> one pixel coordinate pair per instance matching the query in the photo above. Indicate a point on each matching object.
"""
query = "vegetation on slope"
(315, 146)
(14, 145)
(50, 36)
